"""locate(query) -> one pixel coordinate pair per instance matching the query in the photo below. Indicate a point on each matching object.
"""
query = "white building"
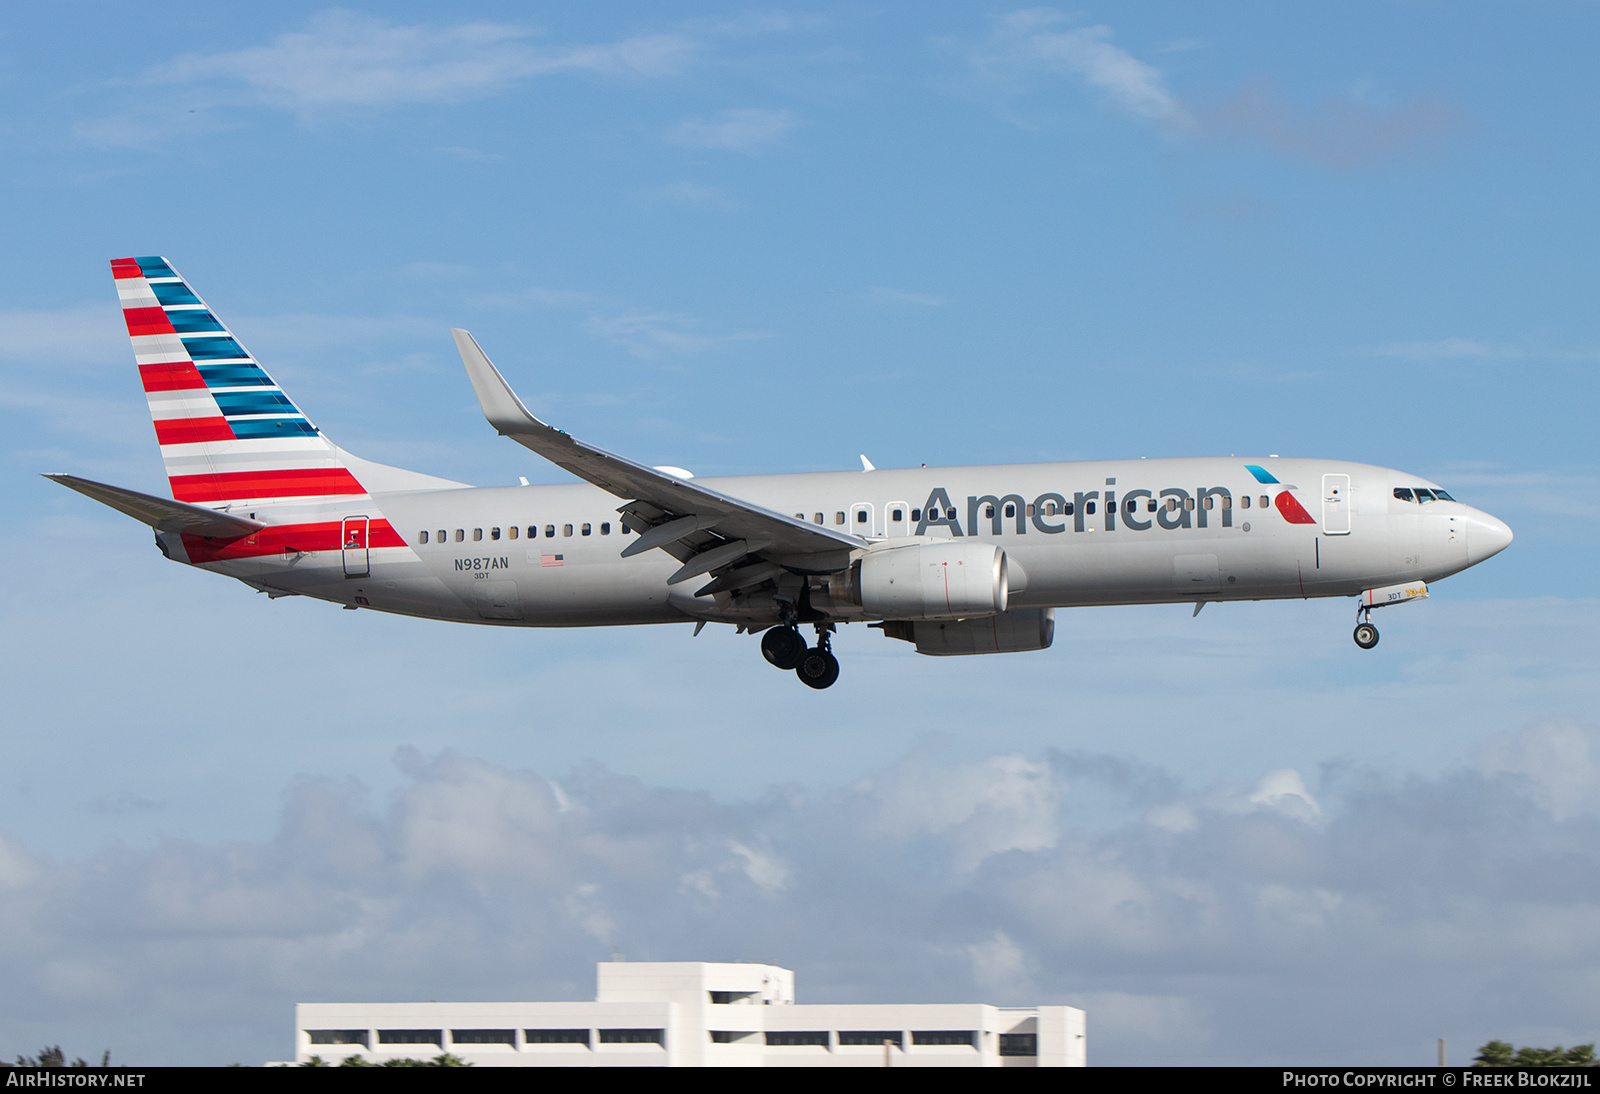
(695, 1014)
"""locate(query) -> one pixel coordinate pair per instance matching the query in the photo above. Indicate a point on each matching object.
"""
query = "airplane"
(954, 560)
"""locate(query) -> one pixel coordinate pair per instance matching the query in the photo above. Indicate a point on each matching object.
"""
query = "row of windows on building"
(515, 531)
(1011, 1044)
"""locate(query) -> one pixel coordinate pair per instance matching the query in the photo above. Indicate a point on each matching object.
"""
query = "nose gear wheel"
(1366, 635)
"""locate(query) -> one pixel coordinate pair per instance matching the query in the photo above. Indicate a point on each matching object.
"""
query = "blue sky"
(746, 239)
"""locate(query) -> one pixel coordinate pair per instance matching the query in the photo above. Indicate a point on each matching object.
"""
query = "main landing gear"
(1366, 635)
(784, 648)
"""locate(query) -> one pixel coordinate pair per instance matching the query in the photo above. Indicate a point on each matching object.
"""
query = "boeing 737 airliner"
(955, 560)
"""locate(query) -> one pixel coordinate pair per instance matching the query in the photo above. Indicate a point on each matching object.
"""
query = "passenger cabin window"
(477, 534)
(460, 535)
(549, 531)
(949, 514)
(1266, 502)
(1088, 507)
(533, 531)
(512, 531)
(494, 533)
(1208, 501)
(816, 518)
(566, 529)
(861, 516)
(838, 518)
(605, 529)
(898, 514)
(1244, 502)
(916, 515)
(1011, 509)
(423, 537)
(585, 529)
(988, 512)
(442, 535)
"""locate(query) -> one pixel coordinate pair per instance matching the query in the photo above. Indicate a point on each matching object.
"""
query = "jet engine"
(941, 580)
(1010, 632)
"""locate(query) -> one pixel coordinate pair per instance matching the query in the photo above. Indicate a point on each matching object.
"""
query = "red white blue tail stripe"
(227, 432)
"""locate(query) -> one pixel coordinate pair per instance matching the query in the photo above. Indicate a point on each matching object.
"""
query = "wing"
(708, 531)
(162, 514)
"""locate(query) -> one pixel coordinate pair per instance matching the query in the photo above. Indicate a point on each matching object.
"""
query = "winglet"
(500, 404)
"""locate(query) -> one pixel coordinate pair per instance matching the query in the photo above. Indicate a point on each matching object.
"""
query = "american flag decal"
(551, 560)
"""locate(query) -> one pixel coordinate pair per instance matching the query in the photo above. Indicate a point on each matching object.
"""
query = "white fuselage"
(1085, 533)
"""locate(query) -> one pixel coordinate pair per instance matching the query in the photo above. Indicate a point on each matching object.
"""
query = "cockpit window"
(1440, 495)
(1424, 495)
(1402, 493)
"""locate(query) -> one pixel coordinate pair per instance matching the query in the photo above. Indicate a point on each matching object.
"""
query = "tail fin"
(228, 434)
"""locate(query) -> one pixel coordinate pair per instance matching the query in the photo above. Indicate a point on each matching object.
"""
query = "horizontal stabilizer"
(162, 514)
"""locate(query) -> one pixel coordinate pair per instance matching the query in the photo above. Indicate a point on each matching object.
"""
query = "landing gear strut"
(1366, 634)
(819, 668)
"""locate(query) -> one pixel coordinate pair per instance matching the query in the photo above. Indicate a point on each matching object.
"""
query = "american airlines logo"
(1139, 510)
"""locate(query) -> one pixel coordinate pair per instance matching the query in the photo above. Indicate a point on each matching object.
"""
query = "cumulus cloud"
(747, 131)
(1353, 925)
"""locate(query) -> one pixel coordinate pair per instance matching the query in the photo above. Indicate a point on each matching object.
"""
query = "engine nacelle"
(1010, 632)
(941, 580)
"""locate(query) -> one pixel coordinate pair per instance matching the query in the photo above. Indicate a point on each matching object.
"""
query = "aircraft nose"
(1486, 537)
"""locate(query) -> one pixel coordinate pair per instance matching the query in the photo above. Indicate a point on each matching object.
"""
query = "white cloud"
(1247, 936)
(347, 60)
(1555, 758)
(648, 334)
(1041, 39)
(1286, 792)
(1006, 803)
(747, 131)
(1450, 349)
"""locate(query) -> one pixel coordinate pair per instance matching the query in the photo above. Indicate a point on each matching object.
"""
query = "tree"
(1502, 1054)
(52, 1056)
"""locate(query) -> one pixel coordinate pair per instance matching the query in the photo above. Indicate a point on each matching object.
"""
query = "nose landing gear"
(1366, 635)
